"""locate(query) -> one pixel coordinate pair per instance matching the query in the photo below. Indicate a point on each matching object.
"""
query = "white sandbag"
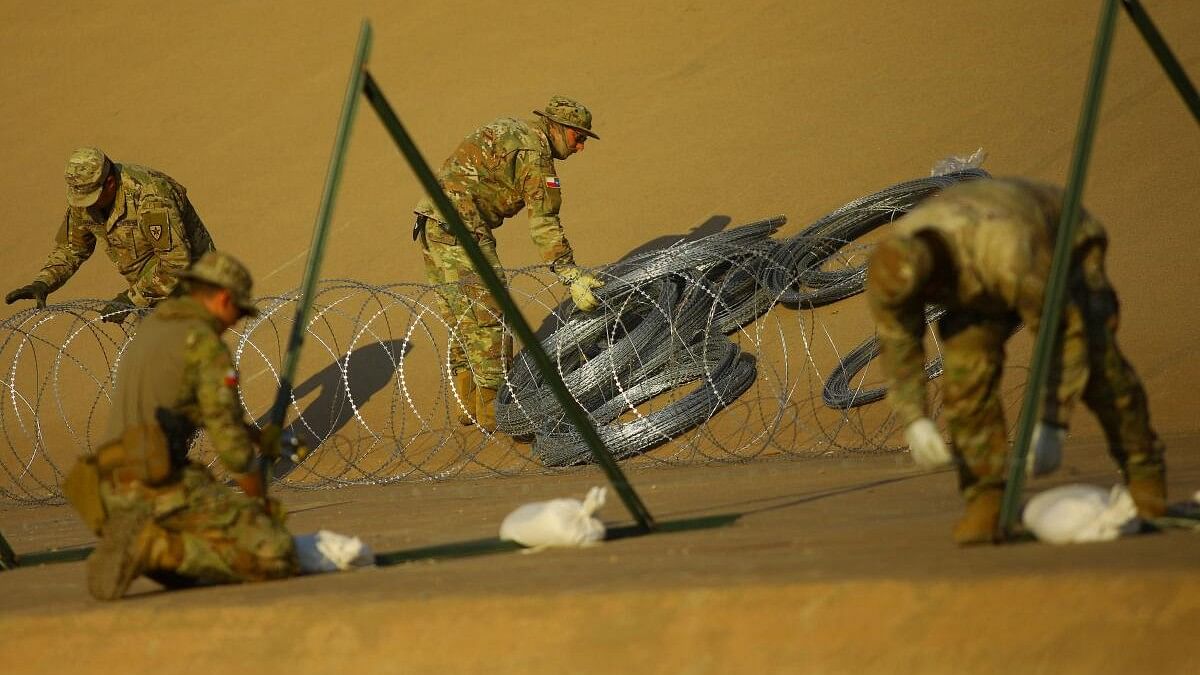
(558, 522)
(326, 551)
(1073, 514)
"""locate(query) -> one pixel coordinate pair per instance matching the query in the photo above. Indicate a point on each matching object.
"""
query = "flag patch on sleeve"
(231, 378)
(552, 182)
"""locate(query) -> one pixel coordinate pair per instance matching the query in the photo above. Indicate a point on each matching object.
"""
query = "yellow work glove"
(581, 285)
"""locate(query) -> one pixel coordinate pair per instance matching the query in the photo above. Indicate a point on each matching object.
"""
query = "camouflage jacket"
(1000, 234)
(179, 375)
(151, 234)
(500, 169)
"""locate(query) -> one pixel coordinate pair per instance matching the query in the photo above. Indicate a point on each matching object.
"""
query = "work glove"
(1045, 449)
(581, 285)
(35, 291)
(925, 444)
(117, 309)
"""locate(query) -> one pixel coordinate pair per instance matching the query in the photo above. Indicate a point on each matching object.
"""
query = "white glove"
(581, 285)
(1045, 449)
(925, 444)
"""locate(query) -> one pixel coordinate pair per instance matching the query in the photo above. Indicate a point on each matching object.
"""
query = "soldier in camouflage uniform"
(149, 227)
(499, 169)
(166, 517)
(983, 250)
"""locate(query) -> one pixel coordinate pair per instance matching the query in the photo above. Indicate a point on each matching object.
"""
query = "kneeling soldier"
(159, 514)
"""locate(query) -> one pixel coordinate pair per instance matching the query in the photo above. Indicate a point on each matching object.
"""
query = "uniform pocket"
(434, 233)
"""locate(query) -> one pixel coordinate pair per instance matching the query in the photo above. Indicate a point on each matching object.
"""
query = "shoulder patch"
(156, 226)
(155, 223)
(553, 182)
(231, 378)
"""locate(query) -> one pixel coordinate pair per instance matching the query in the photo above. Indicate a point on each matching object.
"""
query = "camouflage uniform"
(999, 235)
(177, 377)
(495, 172)
(151, 234)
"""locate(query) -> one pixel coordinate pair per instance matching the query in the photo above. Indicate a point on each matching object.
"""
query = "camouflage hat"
(569, 112)
(221, 269)
(86, 170)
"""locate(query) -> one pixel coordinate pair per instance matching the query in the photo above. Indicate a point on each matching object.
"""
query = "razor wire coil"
(682, 333)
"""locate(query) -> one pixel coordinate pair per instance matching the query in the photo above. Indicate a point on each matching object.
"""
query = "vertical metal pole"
(316, 251)
(1167, 59)
(1048, 337)
(512, 314)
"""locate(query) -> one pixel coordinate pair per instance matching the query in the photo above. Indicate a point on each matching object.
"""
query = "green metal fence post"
(512, 314)
(1165, 57)
(1048, 337)
(316, 252)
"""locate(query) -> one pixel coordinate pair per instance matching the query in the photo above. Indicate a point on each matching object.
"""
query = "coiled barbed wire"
(683, 333)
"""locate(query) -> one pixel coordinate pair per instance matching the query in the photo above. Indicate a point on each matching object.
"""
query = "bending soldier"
(983, 250)
(162, 515)
(499, 169)
(149, 227)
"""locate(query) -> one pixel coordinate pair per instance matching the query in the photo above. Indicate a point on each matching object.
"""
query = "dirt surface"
(830, 566)
(710, 114)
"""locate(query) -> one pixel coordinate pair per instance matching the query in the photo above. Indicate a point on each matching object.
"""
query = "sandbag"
(558, 522)
(325, 551)
(1073, 514)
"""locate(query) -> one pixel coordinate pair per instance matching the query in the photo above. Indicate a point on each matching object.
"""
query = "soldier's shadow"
(370, 367)
(711, 226)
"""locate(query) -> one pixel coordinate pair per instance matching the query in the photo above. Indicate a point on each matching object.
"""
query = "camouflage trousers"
(477, 338)
(204, 532)
(1087, 364)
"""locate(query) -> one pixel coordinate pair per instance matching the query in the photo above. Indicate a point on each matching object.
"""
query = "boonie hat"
(223, 270)
(569, 112)
(86, 170)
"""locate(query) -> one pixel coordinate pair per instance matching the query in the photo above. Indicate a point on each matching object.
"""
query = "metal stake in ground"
(1052, 305)
(1165, 57)
(316, 249)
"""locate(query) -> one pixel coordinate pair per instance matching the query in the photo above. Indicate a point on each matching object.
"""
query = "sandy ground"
(830, 566)
(731, 111)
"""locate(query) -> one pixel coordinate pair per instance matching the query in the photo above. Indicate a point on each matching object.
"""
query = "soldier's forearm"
(903, 361)
(54, 276)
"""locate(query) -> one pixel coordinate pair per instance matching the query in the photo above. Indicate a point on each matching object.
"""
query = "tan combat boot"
(464, 386)
(1149, 495)
(979, 521)
(120, 556)
(485, 408)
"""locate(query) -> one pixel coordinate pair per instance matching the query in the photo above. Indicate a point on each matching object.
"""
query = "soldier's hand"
(117, 309)
(925, 444)
(35, 291)
(1045, 450)
(581, 284)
